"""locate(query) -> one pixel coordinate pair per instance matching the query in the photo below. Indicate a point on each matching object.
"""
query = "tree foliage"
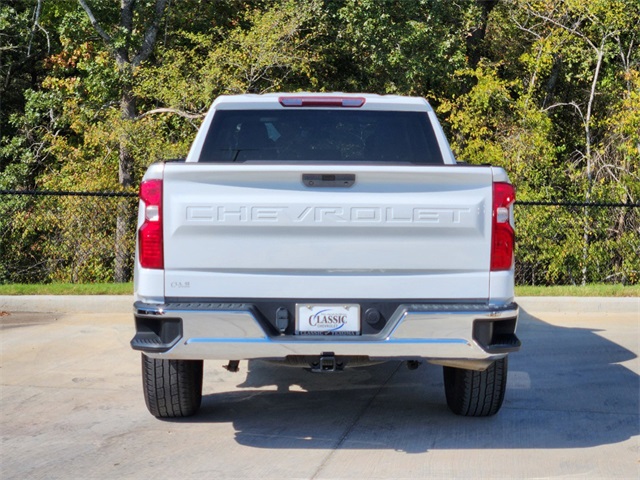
(93, 91)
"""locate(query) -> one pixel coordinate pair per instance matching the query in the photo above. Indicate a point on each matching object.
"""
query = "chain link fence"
(568, 243)
(77, 237)
(71, 237)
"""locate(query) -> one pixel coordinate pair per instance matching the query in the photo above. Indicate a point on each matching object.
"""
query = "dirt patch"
(25, 319)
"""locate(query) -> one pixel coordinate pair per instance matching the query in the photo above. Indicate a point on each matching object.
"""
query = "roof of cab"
(272, 101)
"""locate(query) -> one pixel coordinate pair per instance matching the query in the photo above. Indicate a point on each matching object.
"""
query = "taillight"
(150, 241)
(502, 234)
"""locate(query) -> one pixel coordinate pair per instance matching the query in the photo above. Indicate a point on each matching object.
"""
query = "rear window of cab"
(321, 135)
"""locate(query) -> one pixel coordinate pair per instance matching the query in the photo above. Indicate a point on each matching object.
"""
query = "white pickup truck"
(325, 231)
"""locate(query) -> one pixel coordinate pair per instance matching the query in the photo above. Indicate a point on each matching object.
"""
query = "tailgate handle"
(328, 180)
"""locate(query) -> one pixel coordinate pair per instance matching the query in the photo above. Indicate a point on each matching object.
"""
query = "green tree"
(266, 50)
(130, 48)
(24, 42)
(594, 49)
(408, 48)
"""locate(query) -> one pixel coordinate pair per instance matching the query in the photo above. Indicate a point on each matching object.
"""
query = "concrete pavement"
(72, 406)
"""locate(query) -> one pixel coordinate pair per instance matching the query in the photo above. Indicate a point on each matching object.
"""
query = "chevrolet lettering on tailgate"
(288, 215)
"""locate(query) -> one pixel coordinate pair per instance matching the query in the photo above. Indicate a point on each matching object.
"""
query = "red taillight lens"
(150, 238)
(503, 236)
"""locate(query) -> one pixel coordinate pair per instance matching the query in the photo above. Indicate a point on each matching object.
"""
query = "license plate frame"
(337, 319)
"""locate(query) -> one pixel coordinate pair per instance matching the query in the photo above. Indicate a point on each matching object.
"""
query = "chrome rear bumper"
(437, 332)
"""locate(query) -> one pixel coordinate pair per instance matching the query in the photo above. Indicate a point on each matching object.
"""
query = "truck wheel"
(172, 388)
(476, 394)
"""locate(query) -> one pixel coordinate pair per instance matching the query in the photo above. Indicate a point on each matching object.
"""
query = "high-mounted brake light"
(150, 238)
(502, 234)
(347, 102)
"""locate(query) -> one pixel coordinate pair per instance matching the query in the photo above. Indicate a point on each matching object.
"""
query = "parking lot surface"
(72, 406)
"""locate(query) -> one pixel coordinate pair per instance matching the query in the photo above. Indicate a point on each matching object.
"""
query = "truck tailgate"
(403, 232)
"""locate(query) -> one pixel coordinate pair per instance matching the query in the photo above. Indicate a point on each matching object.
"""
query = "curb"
(66, 303)
(580, 304)
(124, 304)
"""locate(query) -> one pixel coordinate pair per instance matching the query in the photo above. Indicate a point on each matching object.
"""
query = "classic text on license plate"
(338, 319)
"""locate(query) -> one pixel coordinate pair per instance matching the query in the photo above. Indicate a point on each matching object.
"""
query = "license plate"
(336, 319)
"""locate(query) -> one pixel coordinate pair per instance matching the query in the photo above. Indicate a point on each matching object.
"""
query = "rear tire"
(172, 388)
(476, 394)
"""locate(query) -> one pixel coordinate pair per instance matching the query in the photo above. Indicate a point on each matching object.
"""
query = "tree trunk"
(475, 37)
(122, 269)
(553, 80)
(587, 133)
(126, 163)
